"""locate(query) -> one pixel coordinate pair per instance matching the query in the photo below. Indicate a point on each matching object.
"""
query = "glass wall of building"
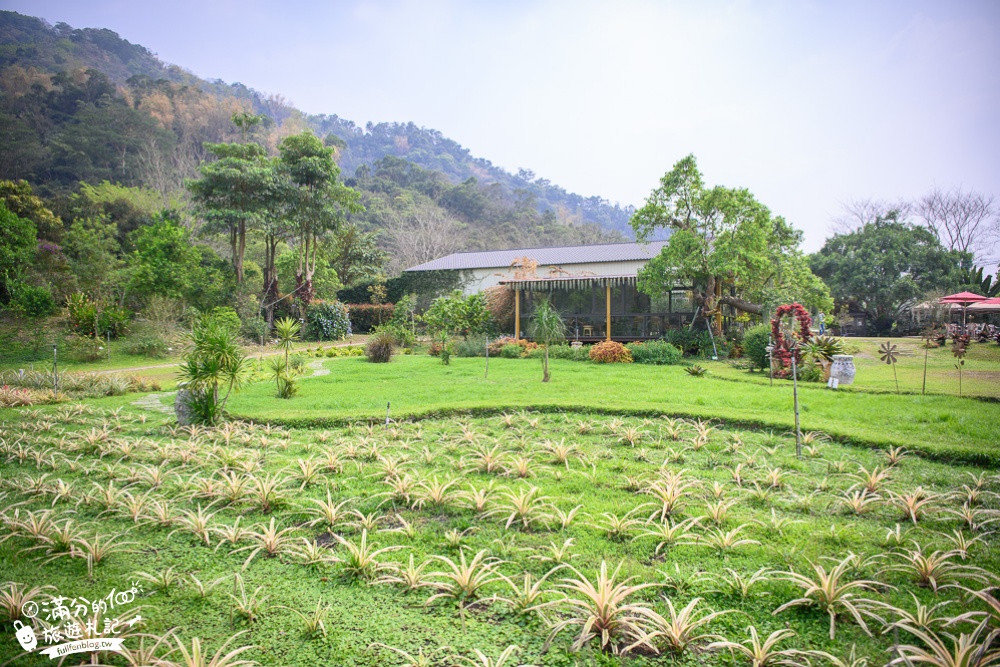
(634, 315)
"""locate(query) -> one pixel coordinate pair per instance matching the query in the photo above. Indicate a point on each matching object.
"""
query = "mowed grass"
(942, 426)
(789, 509)
(980, 377)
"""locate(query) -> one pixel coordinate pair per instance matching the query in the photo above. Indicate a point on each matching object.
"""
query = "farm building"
(592, 286)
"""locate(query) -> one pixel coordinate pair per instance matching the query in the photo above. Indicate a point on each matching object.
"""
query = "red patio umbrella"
(963, 299)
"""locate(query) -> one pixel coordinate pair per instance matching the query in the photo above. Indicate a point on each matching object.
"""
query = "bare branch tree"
(423, 233)
(965, 221)
(856, 213)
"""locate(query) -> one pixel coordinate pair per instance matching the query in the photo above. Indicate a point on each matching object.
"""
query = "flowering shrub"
(610, 352)
(85, 315)
(328, 320)
(497, 346)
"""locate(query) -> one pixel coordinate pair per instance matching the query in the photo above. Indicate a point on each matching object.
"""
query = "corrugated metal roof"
(578, 254)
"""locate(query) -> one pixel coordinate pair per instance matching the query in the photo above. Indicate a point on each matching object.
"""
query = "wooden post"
(607, 300)
(517, 314)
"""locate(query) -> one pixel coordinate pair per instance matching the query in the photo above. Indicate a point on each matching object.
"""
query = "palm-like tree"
(286, 332)
(213, 369)
(546, 328)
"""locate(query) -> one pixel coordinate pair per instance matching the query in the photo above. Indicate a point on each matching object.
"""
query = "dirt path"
(154, 402)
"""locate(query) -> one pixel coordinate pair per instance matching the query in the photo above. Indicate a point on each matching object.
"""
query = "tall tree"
(234, 193)
(885, 266)
(725, 245)
(319, 202)
(355, 255)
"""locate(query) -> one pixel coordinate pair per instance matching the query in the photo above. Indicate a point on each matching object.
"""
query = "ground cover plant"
(944, 426)
(574, 536)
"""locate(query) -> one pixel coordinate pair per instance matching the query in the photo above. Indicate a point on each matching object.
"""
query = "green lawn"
(937, 425)
(83, 470)
(980, 377)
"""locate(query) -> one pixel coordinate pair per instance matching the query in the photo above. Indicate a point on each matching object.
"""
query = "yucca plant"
(560, 452)
(410, 577)
(420, 659)
(923, 617)
(267, 540)
(565, 518)
(872, 480)
(328, 513)
(198, 523)
(13, 597)
(558, 554)
(204, 589)
(718, 510)
(763, 653)
(267, 492)
(526, 507)
(311, 553)
(526, 594)
(934, 569)
(669, 534)
(725, 541)
(314, 622)
(435, 493)
(161, 581)
(248, 607)
(832, 592)
(915, 503)
(741, 585)
(602, 610)
(966, 650)
(859, 501)
(361, 559)
(681, 630)
(478, 499)
(464, 581)
(616, 527)
(232, 534)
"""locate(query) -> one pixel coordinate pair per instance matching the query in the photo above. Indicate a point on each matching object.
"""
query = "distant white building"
(592, 286)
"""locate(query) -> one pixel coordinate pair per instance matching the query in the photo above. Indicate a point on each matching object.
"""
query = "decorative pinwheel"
(889, 353)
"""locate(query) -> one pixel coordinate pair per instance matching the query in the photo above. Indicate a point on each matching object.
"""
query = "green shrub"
(581, 353)
(254, 329)
(367, 317)
(610, 352)
(459, 315)
(85, 348)
(379, 348)
(474, 346)
(694, 343)
(226, 317)
(658, 352)
(147, 343)
(327, 320)
(755, 342)
(512, 351)
(402, 335)
(33, 301)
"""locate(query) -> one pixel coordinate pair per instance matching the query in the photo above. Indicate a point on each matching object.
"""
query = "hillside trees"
(17, 245)
(724, 243)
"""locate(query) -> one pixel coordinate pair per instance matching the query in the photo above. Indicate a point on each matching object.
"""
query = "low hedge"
(367, 316)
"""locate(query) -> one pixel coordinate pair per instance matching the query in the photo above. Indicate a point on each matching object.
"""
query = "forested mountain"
(85, 105)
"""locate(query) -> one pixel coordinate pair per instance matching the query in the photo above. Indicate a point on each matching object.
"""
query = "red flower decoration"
(782, 351)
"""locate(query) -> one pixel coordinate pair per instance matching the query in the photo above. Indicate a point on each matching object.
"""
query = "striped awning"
(568, 282)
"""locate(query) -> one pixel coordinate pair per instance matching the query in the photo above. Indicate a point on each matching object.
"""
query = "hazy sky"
(808, 104)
